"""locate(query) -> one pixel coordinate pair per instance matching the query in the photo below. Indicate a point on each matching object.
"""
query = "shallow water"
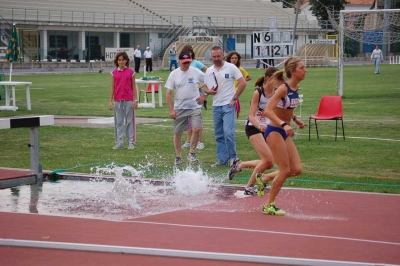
(118, 200)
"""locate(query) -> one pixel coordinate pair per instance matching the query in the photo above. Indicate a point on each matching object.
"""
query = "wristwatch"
(234, 99)
(283, 124)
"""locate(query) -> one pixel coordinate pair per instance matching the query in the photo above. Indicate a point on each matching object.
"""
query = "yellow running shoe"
(260, 185)
(272, 210)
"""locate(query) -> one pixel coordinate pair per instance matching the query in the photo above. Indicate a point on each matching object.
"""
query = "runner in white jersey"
(256, 123)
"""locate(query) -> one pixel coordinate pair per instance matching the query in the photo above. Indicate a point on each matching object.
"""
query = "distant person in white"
(148, 55)
(377, 56)
(137, 55)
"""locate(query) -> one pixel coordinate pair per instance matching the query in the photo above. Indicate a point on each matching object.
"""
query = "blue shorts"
(270, 129)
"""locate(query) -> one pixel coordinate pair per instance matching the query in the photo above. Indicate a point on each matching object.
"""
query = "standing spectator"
(122, 92)
(279, 133)
(148, 55)
(258, 63)
(234, 58)
(137, 55)
(184, 81)
(220, 83)
(172, 58)
(377, 56)
(199, 65)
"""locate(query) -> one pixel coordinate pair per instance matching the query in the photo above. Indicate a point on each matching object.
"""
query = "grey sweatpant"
(123, 112)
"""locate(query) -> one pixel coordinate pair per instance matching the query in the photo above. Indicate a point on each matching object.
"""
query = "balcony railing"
(53, 17)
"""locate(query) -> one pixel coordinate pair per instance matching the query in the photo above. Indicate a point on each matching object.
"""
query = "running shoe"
(250, 191)
(218, 164)
(200, 145)
(178, 160)
(186, 145)
(130, 146)
(272, 210)
(260, 185)
(234, 168)
(192, 157)
(118, 146)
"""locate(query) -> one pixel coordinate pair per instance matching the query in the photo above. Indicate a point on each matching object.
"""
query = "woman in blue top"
(279, 133)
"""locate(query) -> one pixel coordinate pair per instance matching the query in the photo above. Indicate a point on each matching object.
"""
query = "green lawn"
(368, 160)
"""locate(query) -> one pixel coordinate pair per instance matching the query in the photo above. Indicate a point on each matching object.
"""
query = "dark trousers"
(149, 64)
(271, 62)
(137, 64)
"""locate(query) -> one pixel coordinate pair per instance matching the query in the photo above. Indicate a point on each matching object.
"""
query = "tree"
(319, 11)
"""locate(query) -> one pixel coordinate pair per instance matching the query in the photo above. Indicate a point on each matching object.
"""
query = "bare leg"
(177, 144)
(194, 139)
(281, 156)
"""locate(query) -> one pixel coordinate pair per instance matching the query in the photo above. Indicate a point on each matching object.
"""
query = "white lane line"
(267, 232)
(177, 253)
(314, 135)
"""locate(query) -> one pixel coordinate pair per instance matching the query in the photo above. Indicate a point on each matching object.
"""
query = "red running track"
(320, 225)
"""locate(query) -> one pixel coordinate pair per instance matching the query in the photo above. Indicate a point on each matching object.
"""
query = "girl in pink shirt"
(122, 93)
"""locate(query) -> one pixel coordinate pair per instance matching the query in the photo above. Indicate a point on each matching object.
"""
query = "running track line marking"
(241, 131)
(266, 231)
(176, 253)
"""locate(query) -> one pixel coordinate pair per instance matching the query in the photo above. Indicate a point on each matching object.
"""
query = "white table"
(12, 84)
(153, 94)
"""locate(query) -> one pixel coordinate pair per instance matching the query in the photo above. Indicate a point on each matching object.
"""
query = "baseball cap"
(185, 57)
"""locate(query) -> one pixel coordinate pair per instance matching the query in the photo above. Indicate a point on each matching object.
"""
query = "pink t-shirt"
(123, 84)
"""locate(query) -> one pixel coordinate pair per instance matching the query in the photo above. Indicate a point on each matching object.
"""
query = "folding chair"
(330, 108)
(149, 91)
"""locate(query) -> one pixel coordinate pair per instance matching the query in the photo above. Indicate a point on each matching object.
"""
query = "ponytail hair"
(268, 73)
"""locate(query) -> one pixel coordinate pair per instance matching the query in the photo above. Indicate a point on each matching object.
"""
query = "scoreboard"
(272, 44)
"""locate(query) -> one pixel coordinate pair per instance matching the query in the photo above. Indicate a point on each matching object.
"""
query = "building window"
(124, 40)
(241, 38)
(58, 41)
(313, 37)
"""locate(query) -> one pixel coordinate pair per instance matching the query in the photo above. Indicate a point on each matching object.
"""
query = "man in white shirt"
(223, 74)
(184, 81)
(148, 55)
(377, 56)
(137, 55)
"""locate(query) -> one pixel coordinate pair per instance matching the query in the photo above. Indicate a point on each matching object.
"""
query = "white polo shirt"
(225, 79)
(148, 54)
(185, 84)
(137, 53)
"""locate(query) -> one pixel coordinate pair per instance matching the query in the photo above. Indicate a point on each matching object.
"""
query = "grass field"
(368, 160)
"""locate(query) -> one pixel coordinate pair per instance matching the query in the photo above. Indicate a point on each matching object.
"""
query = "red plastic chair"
(149, 90)
(330, 108)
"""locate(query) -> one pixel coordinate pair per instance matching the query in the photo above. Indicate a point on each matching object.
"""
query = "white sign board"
(111, 53)
(315, 41)
(272, 44)
(199, 39)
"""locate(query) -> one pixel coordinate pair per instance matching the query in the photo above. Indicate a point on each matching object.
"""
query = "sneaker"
(217, 164)
(272, 210)
(250, 191)
(200, 146)
(186, 145)
(118, 146)
(192, 157)
(260, 185)
(178, 160)
(130, 146)
(234, 168)
(231, 161)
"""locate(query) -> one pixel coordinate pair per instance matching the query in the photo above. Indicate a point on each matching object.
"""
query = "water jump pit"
(109, 195)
